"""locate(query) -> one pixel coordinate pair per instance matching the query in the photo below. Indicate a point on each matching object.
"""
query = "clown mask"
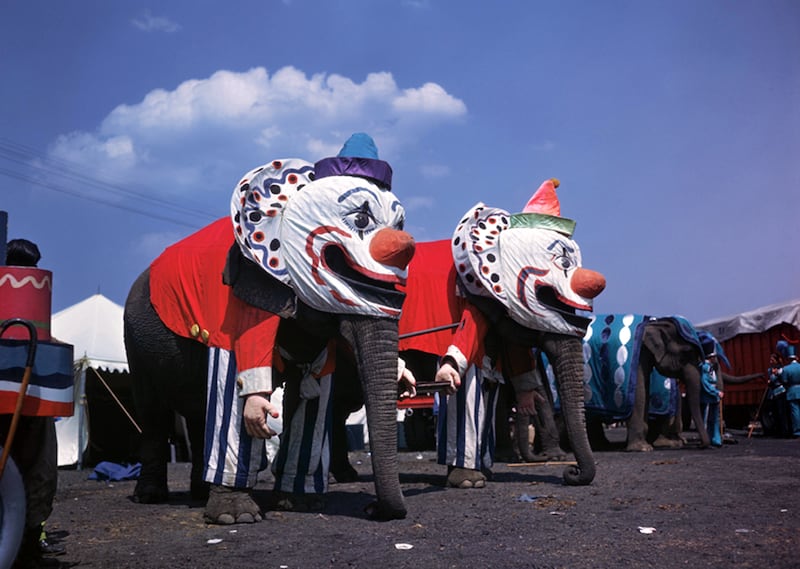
(528, 262)
(344, 246)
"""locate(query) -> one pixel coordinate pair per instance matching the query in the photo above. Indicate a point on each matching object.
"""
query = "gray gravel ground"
(732, 507)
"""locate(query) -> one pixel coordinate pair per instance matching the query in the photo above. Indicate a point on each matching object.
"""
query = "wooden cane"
(23, 388)
(752, 426)
(550, 463)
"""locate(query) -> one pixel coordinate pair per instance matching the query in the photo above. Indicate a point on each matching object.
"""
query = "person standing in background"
(35, 451)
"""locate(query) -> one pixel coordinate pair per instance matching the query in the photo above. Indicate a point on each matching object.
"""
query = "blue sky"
(674, 127)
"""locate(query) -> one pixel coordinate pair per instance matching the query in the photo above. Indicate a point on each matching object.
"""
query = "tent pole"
(81, 393)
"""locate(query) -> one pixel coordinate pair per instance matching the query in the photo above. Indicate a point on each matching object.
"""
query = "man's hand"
(256, 407)
(448, 374)
(406, 382)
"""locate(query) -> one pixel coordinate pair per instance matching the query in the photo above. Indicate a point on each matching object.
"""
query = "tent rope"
(121, 406)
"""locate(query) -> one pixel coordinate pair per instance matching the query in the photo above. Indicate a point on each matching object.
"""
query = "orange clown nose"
(587, 283)
(392, 247)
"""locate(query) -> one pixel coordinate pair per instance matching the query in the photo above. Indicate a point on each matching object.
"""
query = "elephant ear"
(258, 203)
(671, 352)
(476, 251)
(255, 287)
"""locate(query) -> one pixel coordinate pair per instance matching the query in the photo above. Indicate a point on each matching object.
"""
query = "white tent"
(94, 327)
(754, 321)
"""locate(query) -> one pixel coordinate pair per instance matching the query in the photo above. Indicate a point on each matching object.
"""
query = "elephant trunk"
(566, 356)
(374, 342)
(728, 379)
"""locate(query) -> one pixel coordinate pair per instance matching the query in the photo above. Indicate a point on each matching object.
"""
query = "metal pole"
(429, 330)
(3, 236)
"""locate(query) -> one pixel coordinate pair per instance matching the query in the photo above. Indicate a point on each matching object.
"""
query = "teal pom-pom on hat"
(359, 145)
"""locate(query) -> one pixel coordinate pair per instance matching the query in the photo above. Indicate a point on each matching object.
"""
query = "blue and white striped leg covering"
(467, 423)
(233, 458)
(303, 461)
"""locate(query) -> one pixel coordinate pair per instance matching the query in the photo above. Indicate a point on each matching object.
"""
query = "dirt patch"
(707, 508)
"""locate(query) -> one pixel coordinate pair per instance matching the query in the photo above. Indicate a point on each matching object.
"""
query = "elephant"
(619, 350)
(546, 443)
(308, 265)
(511, 283)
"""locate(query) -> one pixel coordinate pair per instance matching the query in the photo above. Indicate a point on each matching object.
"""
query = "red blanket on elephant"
(190, 298)
(432, 300)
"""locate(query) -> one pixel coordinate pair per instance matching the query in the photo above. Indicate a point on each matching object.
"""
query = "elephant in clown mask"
(307, 267)
(513, 282)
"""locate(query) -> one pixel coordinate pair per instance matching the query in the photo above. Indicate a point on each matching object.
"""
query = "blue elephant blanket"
(611, 349)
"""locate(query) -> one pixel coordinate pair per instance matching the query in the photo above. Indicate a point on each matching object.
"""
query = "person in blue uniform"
(776, 396)
(710, 396)
(790, 374)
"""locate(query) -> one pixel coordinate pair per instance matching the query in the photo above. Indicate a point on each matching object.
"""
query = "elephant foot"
(288, 502)
(344, 473)
(550, 455)
(150, 493)
(639, 446)
(381, 512)
(528, 456)
(228, 506)
(465, 478)
(663, 442)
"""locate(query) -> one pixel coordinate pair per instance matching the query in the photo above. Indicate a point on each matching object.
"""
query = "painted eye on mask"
(564, 262)
(361, 220)
(564, 259)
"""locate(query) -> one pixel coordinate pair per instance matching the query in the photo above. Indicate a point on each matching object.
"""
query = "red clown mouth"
(372, 287)
(547, 296)
(378, 289)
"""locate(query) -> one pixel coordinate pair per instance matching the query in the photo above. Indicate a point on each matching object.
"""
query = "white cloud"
(546, 146)
(429, 99)
(207, 132)
(105, 155)
(417, 4)
(435, 170)
(413, 203)
(149, 23)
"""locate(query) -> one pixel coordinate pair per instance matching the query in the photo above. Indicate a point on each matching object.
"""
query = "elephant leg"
(198, 488)
(155, 420)
(347, 398)
(546, 430)
(228, 506)
(302, 464)
(660, 433)
(341, 469)
(232, 457)
(505, 441)
(637, 422)
(151, 486)
(466, 431)
(168, 372)
(595, 429)
(522, 437)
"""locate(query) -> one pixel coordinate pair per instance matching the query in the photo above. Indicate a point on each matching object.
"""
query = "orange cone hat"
(545, 199)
